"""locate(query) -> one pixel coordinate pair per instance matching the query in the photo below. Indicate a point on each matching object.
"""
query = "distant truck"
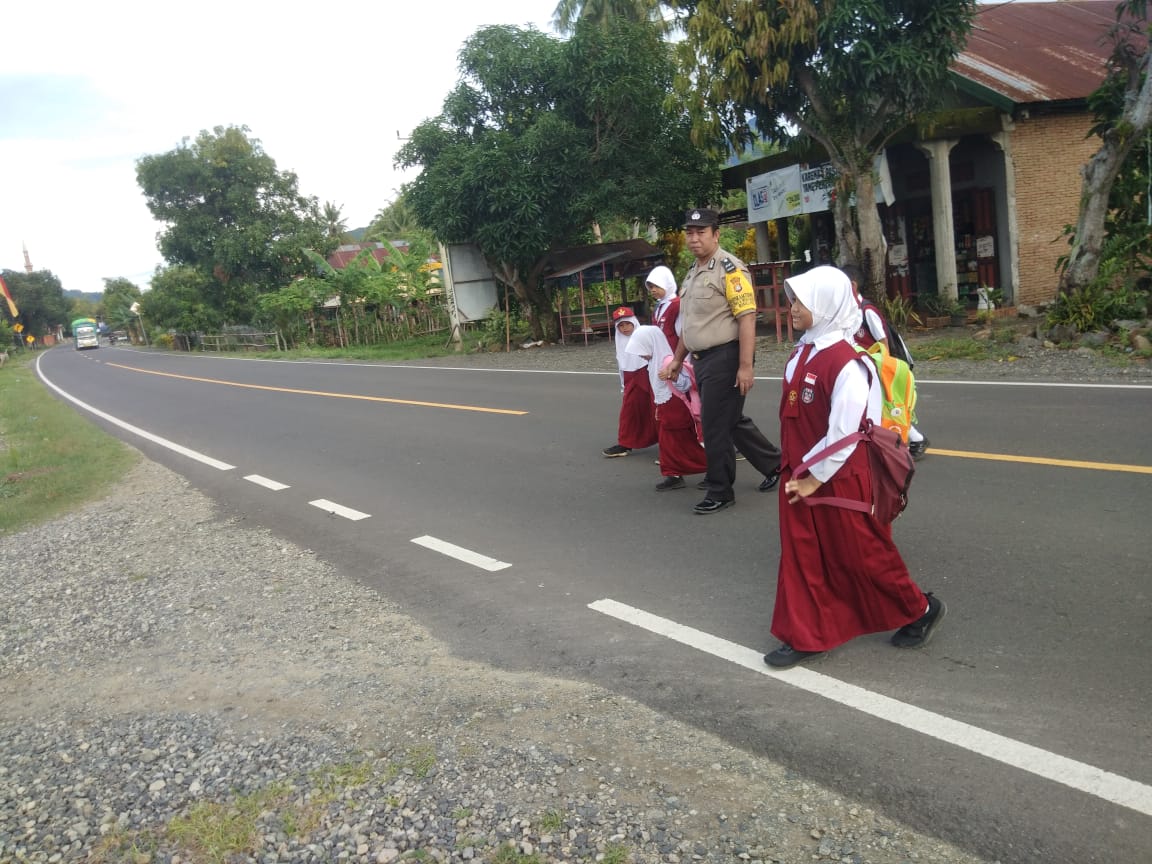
(85, 333)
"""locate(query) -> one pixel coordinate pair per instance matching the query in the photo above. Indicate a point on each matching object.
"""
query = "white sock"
(915, 435)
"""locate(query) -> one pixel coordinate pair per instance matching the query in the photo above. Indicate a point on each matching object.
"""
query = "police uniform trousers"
(723, 422)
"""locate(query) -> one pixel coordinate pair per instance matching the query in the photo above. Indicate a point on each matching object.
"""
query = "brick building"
(981, 195)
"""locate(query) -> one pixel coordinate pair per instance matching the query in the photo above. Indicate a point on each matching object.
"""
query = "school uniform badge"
(807, 395)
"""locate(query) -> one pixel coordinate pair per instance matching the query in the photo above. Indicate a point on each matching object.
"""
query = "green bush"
(1083, 309)
(898, 311)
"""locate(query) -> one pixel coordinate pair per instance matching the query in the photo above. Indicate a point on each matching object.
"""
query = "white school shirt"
(851, 394)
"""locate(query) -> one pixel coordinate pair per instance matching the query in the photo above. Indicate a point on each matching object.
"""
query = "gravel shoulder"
(189, 660)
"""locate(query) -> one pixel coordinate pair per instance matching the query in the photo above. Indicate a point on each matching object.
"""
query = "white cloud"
(87, 88)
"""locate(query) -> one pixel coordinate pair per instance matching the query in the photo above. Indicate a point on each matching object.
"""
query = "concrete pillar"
(763, 243)
(943, 231)
(1003, 140)
(784, 245)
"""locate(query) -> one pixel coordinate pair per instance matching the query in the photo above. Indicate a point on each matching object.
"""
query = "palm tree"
(396, 222)
(603, 12)
(335, 225)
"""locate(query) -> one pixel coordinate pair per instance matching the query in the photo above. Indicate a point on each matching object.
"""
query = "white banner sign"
(805, 189)
(774, 195)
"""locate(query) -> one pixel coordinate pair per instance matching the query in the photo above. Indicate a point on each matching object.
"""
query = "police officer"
(718, 318)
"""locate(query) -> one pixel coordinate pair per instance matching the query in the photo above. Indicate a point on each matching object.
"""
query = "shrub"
(1083, 309)
(899, 312)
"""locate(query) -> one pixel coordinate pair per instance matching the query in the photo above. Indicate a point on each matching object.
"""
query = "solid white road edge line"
(274, 485)
(339, 509)
(136, 430)
(460, 553)
(1051, 766)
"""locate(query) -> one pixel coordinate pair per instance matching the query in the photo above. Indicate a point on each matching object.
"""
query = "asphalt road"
(1022, 732)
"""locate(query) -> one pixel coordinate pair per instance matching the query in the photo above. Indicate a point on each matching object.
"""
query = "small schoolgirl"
(840, 574)
(680, 449)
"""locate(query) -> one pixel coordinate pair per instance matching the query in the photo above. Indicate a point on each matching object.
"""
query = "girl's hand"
(801, 488)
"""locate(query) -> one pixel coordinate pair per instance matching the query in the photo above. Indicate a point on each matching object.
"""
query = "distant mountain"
(356, 234)
(90, 296)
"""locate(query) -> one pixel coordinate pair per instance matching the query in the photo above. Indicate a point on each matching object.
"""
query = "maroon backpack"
(892, 470)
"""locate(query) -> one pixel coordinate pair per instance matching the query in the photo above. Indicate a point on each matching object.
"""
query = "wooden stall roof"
(602, 261)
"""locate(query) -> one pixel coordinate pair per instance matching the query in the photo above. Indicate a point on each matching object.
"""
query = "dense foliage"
(1109, 243)
(40, 299)
(232, 217)
(848, 76)
(542, 138)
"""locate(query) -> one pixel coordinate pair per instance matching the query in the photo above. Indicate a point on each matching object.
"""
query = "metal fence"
(241, 342)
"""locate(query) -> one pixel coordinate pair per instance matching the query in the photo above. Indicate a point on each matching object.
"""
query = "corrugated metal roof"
(1038, 52)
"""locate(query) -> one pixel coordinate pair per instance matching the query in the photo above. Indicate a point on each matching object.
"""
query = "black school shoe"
(616, 450)
(917, 449)
(769, 482)
(711, 505)
(786, 656)
(917, 634)
(673, 482)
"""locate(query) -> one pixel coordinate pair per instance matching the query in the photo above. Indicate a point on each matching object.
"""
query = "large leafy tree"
(603, 13)
(39, 297)
(541, 138)
(1123, 106)
(179, 301)
(116, 305)
(849, 76)
(397, 221)
(233, 216)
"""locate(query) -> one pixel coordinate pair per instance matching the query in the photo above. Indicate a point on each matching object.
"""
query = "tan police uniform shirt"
(712, 297)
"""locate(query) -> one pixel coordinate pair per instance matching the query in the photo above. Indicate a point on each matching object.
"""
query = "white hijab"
(827, 293)
(627, 362)
(662, 277)
(649, 341)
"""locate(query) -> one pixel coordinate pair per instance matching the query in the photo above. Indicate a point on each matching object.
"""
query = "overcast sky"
(87, 88)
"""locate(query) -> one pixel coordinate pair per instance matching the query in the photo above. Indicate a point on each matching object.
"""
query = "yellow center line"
(1037, 460)
(482, 410)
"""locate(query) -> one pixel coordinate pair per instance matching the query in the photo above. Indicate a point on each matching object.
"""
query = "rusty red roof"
(345, 254)
(1038, 52)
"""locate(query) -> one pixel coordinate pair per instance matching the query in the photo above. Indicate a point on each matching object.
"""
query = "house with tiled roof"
(980, 193)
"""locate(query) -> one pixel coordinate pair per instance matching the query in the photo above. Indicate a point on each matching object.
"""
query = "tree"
(848, 76)
(232, 216)
(39, 296)
(335, 225)
(179, 301)
(397, 221)
(542, 138)
(116, 305)
(1124, 113)
(603, 13)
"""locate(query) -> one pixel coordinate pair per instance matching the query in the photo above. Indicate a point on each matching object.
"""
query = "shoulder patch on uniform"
(728, 266)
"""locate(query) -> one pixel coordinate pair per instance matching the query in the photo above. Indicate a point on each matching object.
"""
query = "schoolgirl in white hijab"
(625, 362)
(650, 344)
(826, 293)
(662, 279)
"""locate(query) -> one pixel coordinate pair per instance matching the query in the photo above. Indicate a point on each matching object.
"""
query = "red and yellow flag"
(7, 296)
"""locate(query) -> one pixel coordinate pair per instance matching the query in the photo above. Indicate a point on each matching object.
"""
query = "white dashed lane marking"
(460, 553)
(1051, 766)
(274, 485)
(339, 509)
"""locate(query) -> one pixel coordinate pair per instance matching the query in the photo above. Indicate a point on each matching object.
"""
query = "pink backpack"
(691, 398)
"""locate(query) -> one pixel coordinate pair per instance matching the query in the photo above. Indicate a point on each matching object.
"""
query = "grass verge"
(51, 458)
